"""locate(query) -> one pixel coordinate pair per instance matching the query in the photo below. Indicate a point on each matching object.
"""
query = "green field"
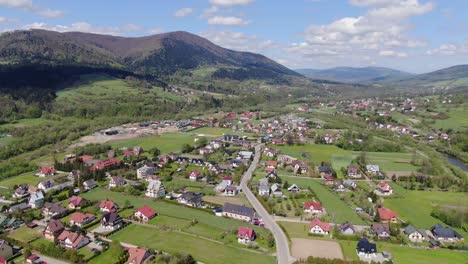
(416, 206)
(168, 142)
(295, 230)
(26, 234)
(217, 131)
(206, 251)
(457, 120)
(27, 178)
(407, 255)
(316, 153)
(348, 247)
(335, 207)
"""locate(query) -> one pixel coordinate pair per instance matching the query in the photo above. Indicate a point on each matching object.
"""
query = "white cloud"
(403, 9)
(28, 5)
(86, 27)
(227, 21)
(234, 40)
(229, 3)
(5, 20)
(392, 53)
(155, 30)
(210, 11)
(449, 49)
(183, 12)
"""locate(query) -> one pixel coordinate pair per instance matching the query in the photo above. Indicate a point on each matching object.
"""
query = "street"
(282, 248)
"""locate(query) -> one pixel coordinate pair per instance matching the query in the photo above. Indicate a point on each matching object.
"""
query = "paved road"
(282, 248)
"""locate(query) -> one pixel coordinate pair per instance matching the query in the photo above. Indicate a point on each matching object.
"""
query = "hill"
(447, 78)
(156, 55)
(355, 75)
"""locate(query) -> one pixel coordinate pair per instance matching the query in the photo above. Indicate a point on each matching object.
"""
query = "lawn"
(314, 152)
(173, 242)
(406, 255)
(168, 142)
(341, 161)
(26, 234)
(217, 131)
(416, 206)
(348, 247)
(295, 230)
(27, 178)
(457, 120)
(335, 207)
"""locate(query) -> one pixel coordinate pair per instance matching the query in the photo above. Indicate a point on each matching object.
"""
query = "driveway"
(282, 248)
(50, 260)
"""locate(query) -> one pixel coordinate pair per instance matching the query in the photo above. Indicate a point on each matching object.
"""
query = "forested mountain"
(355, 75)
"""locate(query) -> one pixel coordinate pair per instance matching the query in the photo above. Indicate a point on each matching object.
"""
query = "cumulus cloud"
(86, 27)
(28, 5)
(392, 53)
(209, 11)
(229, 3)
(183, 12)
(239, 41)
(449, 49)
(5, 20)
(227, 21)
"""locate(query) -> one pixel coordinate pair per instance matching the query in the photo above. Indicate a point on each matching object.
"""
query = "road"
(282, 247)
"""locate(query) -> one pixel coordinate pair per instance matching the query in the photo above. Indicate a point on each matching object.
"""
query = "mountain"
(355, 75)
(447, 78)
(156, 55)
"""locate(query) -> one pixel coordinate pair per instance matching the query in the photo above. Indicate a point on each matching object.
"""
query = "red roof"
(386, 214)
(227, 178)
(269, 169)
(129, 153)
(108, 204)
(104, 164)
(2, 260)
(245, 232)
(33, 257)
(48, 171)
(137, 255)
(314, 205)
(147, 211)
(79, 217)
(324, 226)
(272, 163)
(86, 158)
(384, 186)
(76, 200)
(196, 173)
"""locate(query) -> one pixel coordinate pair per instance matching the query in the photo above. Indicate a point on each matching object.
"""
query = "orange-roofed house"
(319, 227)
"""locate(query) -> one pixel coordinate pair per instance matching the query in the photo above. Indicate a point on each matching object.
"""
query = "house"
(366, 249)
(111, 220)
(381, 230)
(325, 170)
(294, 188)
(230, 138)
(445, 234)
(269, 152)
(53, 210)
(238, 212)
(145, 213)
(276, 190)
(21, 207)
(145, 171)
(195, 175)
(46, 185)
(107, 206)
(387, 215)
(155, 189)
(313, 207)
(271, 164)
(264, 190)
(190, 199)
(21, 192)
(222, 186)
(245, 155)
(198, 162)
(203, 151)
(347, 229)
(46, 171)
(81, 219)
(216, 144)
(72, 240)
(245, 235)
(6, 250)
(137, 255)
(3, 260)
(53, 229)
(89, 184)
(285, 159)
(383, 188)
(415, 235)
(354, 171)
(36, 199)
(373, 169)
(349, 184)
(76, 202)
(319, 227)
(328, 179)
(117, 181)
(33, 259)
(338, 186)
(100, 165)
(231, 190)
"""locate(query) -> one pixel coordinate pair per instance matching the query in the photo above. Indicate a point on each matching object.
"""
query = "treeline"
(451, 216)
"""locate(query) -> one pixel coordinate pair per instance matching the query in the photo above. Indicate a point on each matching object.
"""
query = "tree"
(127, 204)
(155, 152)
(377, 217)
(286, 185)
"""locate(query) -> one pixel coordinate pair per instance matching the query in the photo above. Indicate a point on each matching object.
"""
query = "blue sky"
(411, 35)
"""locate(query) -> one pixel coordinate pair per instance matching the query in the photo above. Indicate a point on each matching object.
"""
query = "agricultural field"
(168, 142)
(316, 153)
(407, 255)
(206, 251)
(416, 206)
(336, 208)
(457, 120)
(215, 131)
(295, 230)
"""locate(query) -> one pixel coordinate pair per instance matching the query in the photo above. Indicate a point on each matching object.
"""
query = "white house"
(319, 227)
(155, 189)
(36, 199)
(144, 171)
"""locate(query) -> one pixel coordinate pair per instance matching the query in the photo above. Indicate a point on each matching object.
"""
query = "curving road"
(282, 247)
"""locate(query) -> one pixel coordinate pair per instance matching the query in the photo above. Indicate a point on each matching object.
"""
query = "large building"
(238, 212)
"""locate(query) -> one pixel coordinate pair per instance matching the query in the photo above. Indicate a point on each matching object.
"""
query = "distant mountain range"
(156, 55)
(355, 75)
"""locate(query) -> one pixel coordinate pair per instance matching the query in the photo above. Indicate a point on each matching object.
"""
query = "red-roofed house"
(75, 202)
(53, 229)
(319, 227)
(271, 163)
(195, 175)
(46, 171)
(2, 260)
(245, 235)
(86, 158)
(100, 165)
(137, 255)
(72, 240)
(81, 219)
(32, 259)
(145, 213)
(313, 207)
(384, 188)
(387, 215)
(107, 206)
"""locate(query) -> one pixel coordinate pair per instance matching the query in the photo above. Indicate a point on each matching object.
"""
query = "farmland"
(168, 142)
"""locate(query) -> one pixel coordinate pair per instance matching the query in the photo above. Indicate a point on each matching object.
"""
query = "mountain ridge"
(354, 74)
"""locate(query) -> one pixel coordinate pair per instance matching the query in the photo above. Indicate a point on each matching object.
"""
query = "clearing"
(303, 248)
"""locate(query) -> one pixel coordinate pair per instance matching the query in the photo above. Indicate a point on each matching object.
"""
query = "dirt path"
(302, 248)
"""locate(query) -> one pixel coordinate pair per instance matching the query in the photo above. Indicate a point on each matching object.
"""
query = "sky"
(411, 35)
